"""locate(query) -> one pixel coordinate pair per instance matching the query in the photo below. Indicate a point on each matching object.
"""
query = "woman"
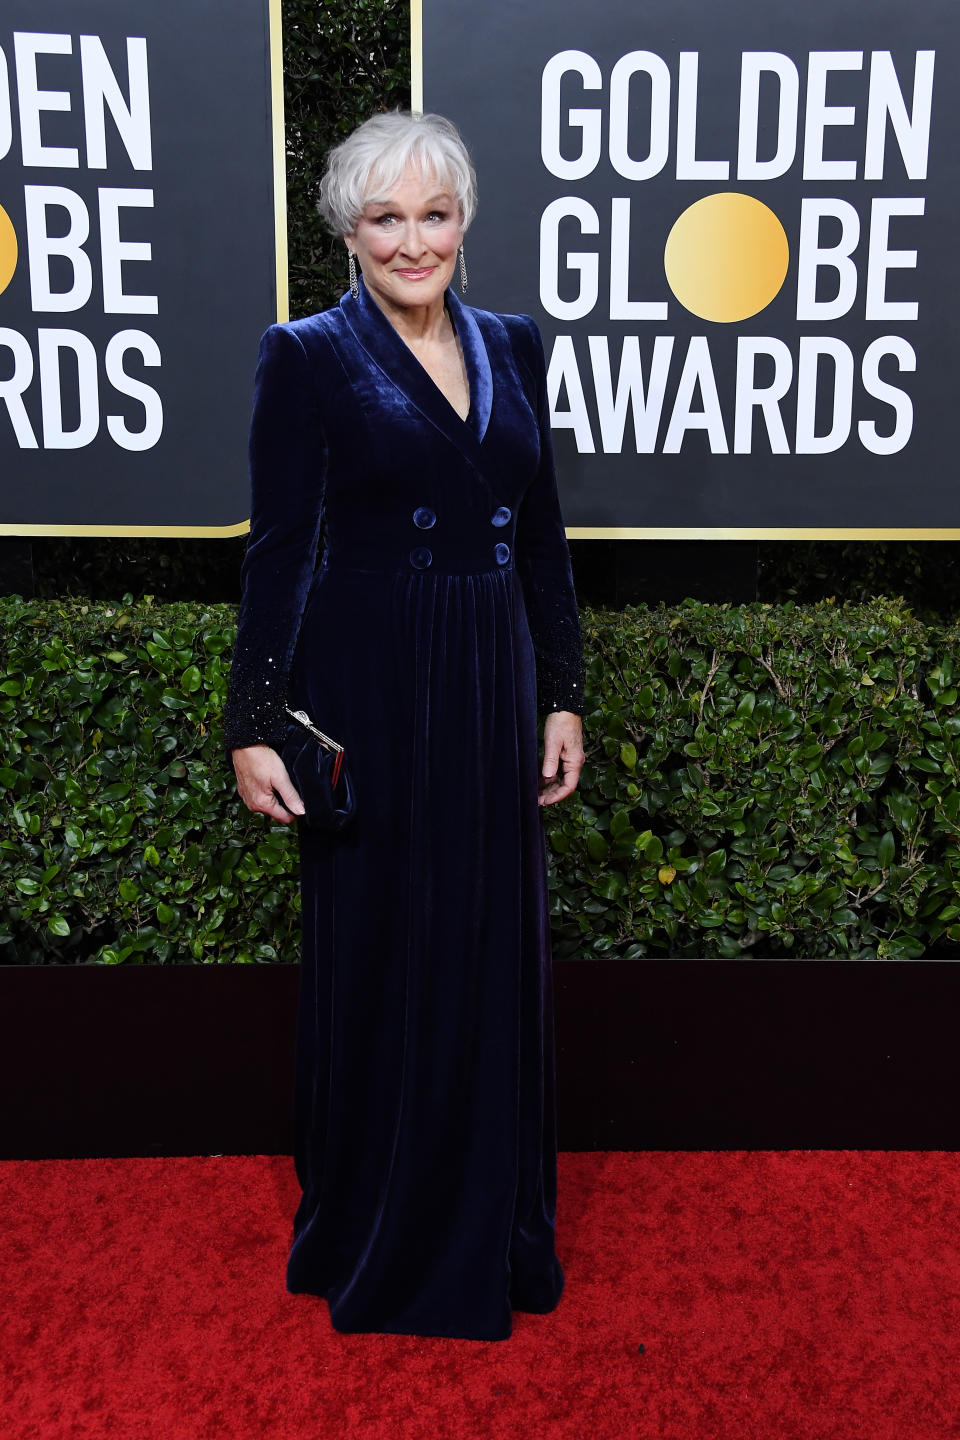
(407, 437)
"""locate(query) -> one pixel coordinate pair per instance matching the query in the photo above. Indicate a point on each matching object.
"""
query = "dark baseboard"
(652, 1055)
(146, 1060)
(758, 1054)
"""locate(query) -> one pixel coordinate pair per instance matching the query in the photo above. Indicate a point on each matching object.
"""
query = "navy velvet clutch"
(315, 764)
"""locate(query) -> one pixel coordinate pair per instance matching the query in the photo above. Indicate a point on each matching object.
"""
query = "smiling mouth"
(420, 274)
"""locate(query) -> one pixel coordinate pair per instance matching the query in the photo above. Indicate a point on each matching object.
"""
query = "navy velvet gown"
(408, 583)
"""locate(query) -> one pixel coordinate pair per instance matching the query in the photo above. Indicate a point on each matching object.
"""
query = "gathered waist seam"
(340, 567)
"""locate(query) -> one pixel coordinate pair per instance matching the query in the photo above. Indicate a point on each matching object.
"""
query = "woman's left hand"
(562, 756)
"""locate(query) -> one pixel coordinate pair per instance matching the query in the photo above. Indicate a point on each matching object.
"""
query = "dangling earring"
(352, 271)
(463, 271)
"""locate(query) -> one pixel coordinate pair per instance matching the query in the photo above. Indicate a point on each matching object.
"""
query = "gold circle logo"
(726, 257)
(8, 250)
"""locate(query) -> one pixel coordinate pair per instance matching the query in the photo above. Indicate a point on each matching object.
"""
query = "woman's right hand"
(260, 772)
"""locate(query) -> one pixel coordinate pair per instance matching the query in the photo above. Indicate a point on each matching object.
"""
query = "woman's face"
(406, 244)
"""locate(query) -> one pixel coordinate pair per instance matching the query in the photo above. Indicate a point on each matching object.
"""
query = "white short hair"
(370, 163)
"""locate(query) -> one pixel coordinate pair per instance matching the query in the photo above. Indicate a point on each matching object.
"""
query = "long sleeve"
(543, 558)
(287, 470)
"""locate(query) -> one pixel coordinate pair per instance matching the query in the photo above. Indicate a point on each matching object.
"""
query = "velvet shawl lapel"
(397, 362)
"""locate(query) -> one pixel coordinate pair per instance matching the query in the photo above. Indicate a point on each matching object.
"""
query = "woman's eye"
(433, 217)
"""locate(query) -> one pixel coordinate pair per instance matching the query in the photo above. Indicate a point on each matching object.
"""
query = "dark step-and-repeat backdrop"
(142, 254)
(736, 226)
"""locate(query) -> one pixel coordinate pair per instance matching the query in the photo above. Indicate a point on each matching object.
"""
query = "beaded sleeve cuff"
(254, 713)
(560, 670)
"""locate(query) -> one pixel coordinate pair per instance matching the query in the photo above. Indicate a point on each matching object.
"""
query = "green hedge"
(342, 62)
(769, 781)
(120, 839)
(760, 781)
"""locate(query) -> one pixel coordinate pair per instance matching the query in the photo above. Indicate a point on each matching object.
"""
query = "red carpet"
(794, 1295)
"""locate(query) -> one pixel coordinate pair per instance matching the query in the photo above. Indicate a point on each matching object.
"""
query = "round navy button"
(502, 553)
(501, 516)
(424, 517)
(421, 557)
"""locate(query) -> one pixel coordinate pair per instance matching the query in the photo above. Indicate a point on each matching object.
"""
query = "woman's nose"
(413, 242)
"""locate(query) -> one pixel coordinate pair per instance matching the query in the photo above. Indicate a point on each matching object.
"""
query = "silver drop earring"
(352, 270)
(463, 271)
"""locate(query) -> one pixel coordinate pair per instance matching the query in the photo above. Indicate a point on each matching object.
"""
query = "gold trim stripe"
(157, 531)
(416, 55)
(803, 532)
(573, 532)
(279, 160)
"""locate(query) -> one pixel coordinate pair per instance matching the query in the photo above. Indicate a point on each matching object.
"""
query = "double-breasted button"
(421, 557)
(424, 517)
(501, 516)
(502, 553)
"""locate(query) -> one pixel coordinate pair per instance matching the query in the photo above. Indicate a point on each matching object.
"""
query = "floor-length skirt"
(424, 1115)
